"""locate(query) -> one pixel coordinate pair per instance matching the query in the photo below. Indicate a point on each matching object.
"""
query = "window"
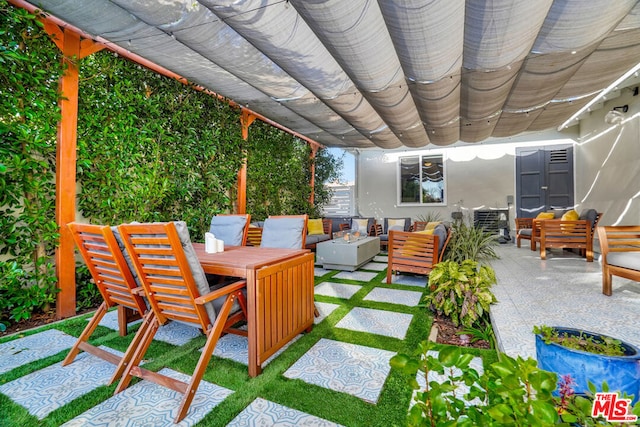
(422, 179)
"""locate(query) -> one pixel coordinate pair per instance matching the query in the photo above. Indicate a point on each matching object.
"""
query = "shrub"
(470, 242)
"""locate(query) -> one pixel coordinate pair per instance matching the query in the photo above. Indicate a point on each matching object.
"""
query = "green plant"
(482, 332)
(600, 345)
(510, 392)
(461, 291)
(431, 216)
(469, 242)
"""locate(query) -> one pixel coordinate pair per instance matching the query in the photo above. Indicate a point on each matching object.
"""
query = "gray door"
(544, 179)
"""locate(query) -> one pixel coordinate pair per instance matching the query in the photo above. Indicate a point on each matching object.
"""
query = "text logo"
(612, 408)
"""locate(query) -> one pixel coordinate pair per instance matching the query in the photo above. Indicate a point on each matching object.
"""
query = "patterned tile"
(379, 322)
(46, 390)
(394, 296)
(148, 404)
(375, 266)
(348, 368)
(325, 309)
(337, 290)
(236, 347)
(33, 347)
(361, 276)
(175, 333)
(401, 279)
(263, 413)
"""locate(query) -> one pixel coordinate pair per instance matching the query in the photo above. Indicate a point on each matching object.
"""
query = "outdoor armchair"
(113, 277)
(620, 246)
(176, 287)
(231, 229)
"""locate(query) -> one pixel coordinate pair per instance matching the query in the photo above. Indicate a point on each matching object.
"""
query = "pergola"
(361, 73)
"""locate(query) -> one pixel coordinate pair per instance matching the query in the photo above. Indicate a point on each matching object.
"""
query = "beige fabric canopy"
(365, 73)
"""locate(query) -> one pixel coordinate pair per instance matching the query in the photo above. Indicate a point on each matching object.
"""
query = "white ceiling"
(365, 73)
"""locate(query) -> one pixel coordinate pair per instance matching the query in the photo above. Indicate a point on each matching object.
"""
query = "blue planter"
(622, 373)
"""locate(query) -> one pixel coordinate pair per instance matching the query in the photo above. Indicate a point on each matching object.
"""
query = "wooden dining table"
(280, 284)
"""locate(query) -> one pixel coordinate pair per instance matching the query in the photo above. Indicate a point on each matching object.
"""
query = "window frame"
(420, 157)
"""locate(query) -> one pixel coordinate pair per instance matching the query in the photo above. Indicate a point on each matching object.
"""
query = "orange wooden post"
(73, 48)
(245, 120)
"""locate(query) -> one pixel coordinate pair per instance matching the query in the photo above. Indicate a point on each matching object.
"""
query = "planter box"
(622, 373)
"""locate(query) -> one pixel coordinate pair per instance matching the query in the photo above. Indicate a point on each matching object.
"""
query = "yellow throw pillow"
(432, 225)
(314, 226)
(426, 231)
(545, 215)
(572, 215)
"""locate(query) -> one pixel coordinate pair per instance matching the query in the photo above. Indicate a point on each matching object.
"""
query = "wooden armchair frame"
(556, 233)
(413, 252)
(524, 229)
(620, 246)
(168, 282)
(112, 276)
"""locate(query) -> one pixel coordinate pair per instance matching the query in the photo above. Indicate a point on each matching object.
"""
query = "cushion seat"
(526, 231)
(313, 239)
(630, 260)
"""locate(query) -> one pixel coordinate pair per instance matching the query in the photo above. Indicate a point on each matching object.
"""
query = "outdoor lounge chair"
(417, 252)
(620, 246)
(231, 229)
(177, 289)
(113, 278)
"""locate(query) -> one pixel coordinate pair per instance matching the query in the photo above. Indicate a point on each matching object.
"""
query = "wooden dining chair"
(112, 276)
(177, 289)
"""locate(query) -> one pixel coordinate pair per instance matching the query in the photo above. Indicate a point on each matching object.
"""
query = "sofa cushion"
(589, 214)
(312, 239)
(337, 220)
(228, 228)
(441, 231)
(283, 233)
(630, 260)
(525, 232)
(314, 226)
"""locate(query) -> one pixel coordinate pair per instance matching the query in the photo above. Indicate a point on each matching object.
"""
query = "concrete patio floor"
(564, 290)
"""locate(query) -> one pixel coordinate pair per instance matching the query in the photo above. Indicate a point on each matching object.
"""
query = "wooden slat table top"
(235, 260)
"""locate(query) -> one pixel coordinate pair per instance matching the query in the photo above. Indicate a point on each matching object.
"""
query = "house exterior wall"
(481, 176)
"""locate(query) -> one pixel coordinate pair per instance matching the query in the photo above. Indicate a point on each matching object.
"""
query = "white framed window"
(421, 180)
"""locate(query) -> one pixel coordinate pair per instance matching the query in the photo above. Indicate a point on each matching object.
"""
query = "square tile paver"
(361, 276)
(149, 404)
(348, 368)
(379, 322)
(400, 279)
(325, 309)
(236, 347)
(337, 290)
(375, 266)
(394, 296)
(33, 347)
(263, 413)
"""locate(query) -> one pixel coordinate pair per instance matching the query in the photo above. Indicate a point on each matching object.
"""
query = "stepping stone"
(325, 309)
(375, 266)
(263, 413)
(149, 404)
(33, 347)
(380, 322)
(337, 290)
(394, 296)
(401, 279)
(236, 347)
(381, 258)
(348, 368)
(318, 271)
(361, 276)
(48, 389)
(175, 333)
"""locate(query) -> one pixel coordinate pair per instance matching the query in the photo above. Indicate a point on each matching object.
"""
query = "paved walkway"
(563, 290)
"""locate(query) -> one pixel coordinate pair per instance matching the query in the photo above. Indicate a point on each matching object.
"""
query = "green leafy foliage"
(461, 291)
(29, 73)
(510, 392)
(599, 345)
(470, 242)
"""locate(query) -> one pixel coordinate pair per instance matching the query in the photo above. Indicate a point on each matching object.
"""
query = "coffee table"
(337, 254)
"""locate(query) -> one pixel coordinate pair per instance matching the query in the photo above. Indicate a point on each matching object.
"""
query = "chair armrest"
(235, 286)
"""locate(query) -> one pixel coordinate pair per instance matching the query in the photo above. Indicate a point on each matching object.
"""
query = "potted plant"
(461, 291)
(589, 358)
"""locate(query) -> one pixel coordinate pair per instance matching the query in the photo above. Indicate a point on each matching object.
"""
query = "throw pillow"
(426, 231)
(545, 215)
(395, 224)
(572, 215)
(432, 225)
(314, 226)
(360, 224)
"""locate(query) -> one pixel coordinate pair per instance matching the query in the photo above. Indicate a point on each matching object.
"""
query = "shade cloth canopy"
(365, 73)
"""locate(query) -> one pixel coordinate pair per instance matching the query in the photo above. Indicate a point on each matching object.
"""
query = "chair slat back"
(164, 271)
(414, 248)
(254, 236)
(107, 265)
(619, 238)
